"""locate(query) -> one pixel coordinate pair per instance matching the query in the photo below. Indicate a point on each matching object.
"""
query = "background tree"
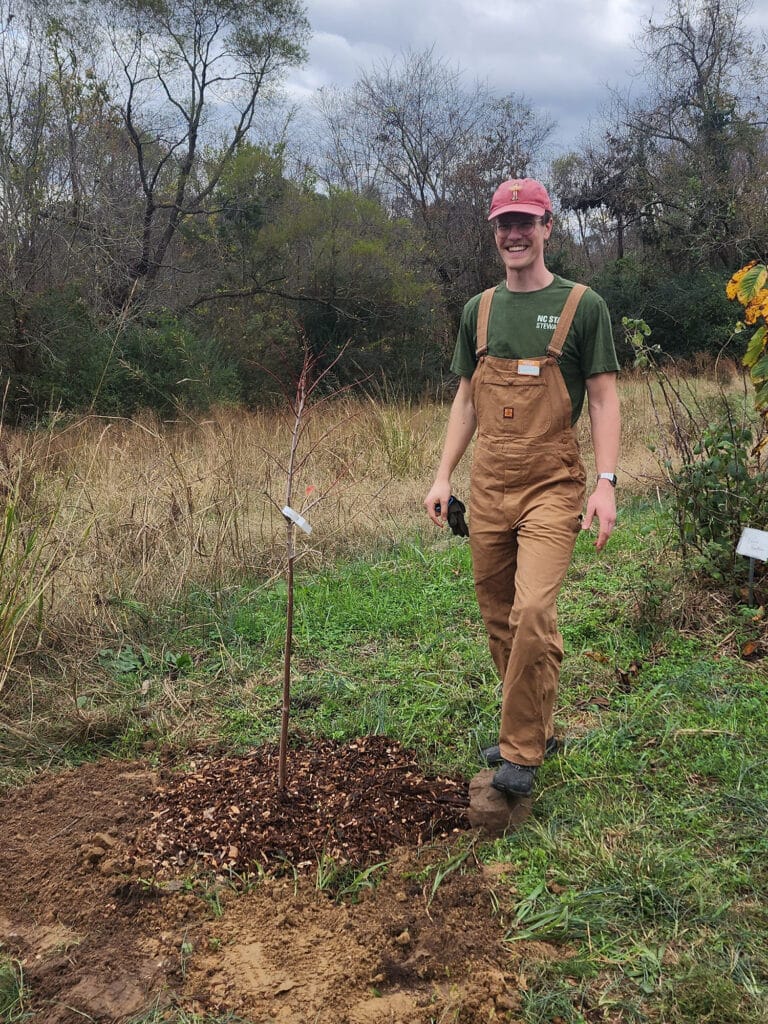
(119, 119)
(158, 229)
(663, 196)
(339, 265)
(694, 132)
(433, 148)
(185, 60)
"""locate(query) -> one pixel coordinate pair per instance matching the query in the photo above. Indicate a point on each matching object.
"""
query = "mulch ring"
(351, 802)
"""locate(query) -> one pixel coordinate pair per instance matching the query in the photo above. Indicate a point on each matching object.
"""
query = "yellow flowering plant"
(748, 286)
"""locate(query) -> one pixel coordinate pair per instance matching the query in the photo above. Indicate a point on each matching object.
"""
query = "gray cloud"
(562, 57)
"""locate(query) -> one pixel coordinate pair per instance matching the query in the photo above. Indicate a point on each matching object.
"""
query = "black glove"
(455, 517)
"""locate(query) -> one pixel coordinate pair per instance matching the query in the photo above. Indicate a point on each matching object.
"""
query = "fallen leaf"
(597, 656)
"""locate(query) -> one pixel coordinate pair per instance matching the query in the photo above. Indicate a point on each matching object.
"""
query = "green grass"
(180, 1016)
(646, 860)
(12, 991)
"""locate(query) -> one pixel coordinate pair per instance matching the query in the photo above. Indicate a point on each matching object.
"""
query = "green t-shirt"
(521, 326)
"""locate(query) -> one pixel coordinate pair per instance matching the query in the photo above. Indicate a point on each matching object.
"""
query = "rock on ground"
(494, 812)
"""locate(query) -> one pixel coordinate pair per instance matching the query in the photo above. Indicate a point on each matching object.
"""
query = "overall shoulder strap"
(555, 347)
(483, 313)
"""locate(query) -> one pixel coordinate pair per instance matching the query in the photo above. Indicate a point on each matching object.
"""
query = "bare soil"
(127, 888)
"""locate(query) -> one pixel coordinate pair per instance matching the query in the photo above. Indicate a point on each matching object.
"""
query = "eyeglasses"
(525, 225)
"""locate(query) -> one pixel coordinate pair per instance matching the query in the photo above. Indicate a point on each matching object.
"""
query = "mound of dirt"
(117, 893)
(352, 803)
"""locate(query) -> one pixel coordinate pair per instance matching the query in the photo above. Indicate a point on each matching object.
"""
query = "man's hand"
(436, 502)
(602, 503)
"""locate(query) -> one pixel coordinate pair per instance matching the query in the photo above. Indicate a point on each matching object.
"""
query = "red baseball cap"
(520, 195)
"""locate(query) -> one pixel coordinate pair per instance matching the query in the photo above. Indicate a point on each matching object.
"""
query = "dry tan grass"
(152, 508)
(648, 426)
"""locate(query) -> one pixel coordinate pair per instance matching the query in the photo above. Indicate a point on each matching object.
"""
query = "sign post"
(753, 544)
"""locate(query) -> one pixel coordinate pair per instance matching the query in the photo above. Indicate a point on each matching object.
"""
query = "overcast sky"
(561, 56)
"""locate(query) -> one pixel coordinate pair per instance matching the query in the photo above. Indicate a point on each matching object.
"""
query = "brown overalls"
(527, 492)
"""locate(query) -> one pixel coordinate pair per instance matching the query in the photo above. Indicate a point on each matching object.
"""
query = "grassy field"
(110, 518)
(162, 622)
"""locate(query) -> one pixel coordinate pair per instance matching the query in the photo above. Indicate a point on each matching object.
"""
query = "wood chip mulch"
(352, 802)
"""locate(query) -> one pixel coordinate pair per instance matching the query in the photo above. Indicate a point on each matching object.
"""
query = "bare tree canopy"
(161, 85)
(678, 166)
(413, 133)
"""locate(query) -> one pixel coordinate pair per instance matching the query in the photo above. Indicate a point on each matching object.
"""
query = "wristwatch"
(608, 476)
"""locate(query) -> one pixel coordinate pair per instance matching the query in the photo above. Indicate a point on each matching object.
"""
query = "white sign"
(753, 544)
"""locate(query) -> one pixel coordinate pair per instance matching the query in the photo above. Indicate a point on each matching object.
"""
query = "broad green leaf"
(751, 283)
(759, 371)
(755, 346)
(761, 397)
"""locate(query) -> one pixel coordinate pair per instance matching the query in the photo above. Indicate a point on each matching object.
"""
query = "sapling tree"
(313, 389)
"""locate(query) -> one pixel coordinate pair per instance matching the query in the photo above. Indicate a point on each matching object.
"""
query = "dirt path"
(100, 905)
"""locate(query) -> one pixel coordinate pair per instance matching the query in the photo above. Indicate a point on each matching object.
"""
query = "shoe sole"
(551, 748)
(508, 791)
(511, 791)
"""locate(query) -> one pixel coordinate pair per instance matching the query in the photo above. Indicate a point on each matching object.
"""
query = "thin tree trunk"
(286, 711)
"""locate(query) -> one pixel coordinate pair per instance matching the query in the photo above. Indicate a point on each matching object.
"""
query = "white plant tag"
(300, 521)
(528, 369)
(753, 544)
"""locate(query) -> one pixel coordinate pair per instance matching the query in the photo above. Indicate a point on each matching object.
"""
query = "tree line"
(169, 239)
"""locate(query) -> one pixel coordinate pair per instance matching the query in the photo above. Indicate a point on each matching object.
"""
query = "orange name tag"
(528, 369)
(509, 412)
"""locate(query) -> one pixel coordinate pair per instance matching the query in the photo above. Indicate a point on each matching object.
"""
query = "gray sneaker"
(514, 779)
(492, 755)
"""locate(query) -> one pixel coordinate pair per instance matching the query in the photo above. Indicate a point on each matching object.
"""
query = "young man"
(522, 386)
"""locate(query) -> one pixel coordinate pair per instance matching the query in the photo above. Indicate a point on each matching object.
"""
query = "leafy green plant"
(748, 286)
(138, 662)
(209, 892)
(186, 949)
(717, 486)
(716, 495)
